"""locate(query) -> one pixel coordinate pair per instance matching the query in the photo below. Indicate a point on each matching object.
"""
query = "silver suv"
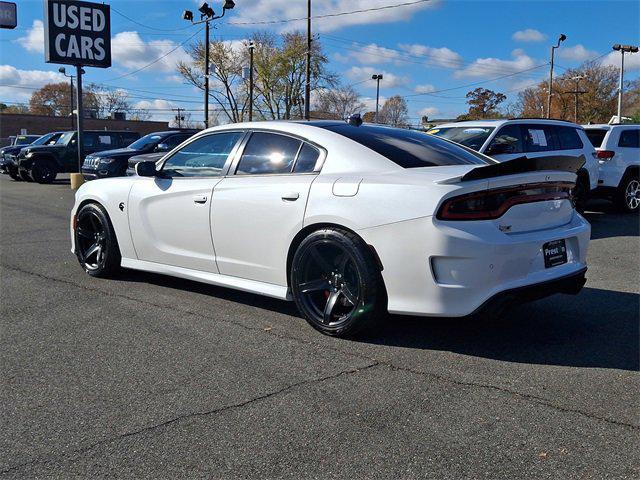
(507, 139)
(618, 151)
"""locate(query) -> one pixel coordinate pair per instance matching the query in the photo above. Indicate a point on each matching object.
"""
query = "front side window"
(204, 157)
(628, 139)
(472, 137)
(268, 153)
(507, 140)
(65, 138)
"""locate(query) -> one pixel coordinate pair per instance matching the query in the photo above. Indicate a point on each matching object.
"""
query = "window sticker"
(538, 137)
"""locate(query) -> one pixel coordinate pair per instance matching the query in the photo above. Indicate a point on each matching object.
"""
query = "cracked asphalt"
(153, 377)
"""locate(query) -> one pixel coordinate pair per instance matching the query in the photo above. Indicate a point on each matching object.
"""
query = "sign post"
(77, 33)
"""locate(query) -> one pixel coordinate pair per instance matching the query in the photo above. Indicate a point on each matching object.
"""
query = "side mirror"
(162, 147)
(499, 148)
(146, 169)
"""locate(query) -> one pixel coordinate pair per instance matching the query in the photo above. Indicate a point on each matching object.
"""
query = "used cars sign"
(77, 33)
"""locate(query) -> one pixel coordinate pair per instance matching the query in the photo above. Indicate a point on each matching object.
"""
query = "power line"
(148, 26)
(330, 15)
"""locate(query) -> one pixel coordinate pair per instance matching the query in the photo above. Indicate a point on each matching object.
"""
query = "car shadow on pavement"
(607, 221)
(598, 328)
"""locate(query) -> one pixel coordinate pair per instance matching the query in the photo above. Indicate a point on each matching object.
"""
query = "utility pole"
(576, 93)
(178, 116)
(561, 39)
(307, 86)
(622, 49)
(377, 77)
(251, 47)
(207, 15)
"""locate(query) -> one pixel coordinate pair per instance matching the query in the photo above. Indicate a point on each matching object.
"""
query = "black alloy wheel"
(336, 282)
(43, 171)
(95, 242)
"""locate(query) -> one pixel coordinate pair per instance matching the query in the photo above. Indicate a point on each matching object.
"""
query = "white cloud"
(577, 53)
(33, 41)
(370, 103)
(286, 9)
(426, 88)
(371, 54)
(631, 60)
(389, 80)
(491, 67)
(443, 56)
(131, 51)
(428, 111)
(529, 35)
(18, 85)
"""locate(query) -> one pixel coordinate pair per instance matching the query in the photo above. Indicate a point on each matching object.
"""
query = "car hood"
(42, 148)
(118, 152)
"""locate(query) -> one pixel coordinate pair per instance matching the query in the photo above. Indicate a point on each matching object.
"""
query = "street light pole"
(63, 71)
(577, 92)
(622, 49)
(377, 78)
(207, 15)
(251, 47)
(307, 86)
(561, 39)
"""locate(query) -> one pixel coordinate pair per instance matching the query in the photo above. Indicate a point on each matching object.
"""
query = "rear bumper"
(569, 284)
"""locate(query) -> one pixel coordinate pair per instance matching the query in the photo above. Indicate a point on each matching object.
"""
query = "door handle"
(291, 196)
(200, 198)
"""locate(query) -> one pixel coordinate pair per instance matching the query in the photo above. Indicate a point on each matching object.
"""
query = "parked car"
(147, 157)
(348, 221)
(509, 139)
(42, 163)
(618, 150)
(9, 157)
(113, 163)
(15, 142)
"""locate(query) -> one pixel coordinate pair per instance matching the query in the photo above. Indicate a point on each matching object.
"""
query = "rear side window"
(268, 153)
(204, 157)
(307, 159)
(408, 148)
(538, 138)
(596, 136)
(105, 140)
(568, 138)
(628, 139)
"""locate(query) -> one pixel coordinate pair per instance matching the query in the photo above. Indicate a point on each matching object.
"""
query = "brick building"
(16, 124)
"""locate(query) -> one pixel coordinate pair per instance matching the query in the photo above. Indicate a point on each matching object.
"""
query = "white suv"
(513, 138)
(618, 153)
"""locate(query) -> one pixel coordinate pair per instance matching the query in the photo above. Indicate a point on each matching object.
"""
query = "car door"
(259, 208)
(170, 215)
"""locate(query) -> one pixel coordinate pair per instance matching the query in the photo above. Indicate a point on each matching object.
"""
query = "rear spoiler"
(562, 163)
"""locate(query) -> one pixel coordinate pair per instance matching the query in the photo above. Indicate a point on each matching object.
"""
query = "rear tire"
(581, 193)
(627, 197)
(44, 171)
(336, 283)
(96, 244)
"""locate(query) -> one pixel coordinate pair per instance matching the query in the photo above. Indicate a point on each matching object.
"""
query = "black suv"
(9, 155)
(43, 163)
(113, 163)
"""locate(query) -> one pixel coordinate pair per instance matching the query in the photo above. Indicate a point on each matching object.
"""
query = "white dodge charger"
(349, 221)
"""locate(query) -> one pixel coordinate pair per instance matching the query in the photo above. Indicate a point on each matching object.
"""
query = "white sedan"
(349, 221)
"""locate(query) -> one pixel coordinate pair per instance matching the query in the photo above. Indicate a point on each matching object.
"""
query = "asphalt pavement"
(148, 376)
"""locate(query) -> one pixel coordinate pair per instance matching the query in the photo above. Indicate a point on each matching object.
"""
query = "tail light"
(605, 154)
(492, 204)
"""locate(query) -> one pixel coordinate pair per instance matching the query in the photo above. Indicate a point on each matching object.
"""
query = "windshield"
(408, 148)
(596, 136)
(65, 138)
(146, 142)
(472, 137)
(24, 140)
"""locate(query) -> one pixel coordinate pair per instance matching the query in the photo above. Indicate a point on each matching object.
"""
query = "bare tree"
(339, 102)
(395, 112)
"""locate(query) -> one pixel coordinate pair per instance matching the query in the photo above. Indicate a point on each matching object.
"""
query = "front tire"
(24, 176)
(336, 283)
(14, 175)
(628, 194)
(44, 171)
(96, 244)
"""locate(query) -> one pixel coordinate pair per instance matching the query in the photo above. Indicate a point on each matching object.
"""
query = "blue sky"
(439, 49)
